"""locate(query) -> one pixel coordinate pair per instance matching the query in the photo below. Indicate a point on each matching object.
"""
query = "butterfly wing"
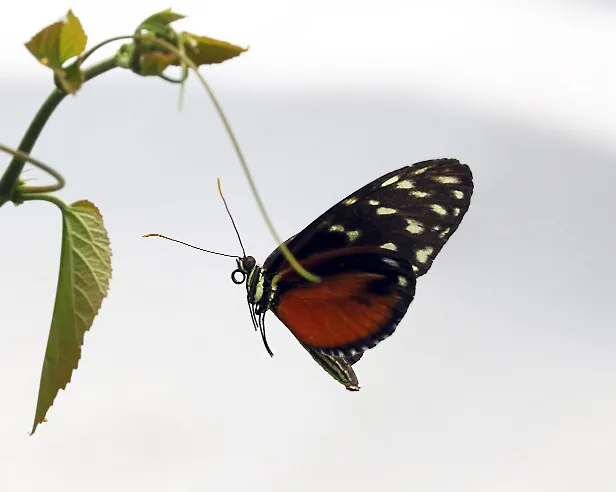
(337, 367)
(369, 249)
(413, 210)
(364, 293)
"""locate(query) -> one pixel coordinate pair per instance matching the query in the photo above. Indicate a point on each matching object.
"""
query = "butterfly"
(368, 250)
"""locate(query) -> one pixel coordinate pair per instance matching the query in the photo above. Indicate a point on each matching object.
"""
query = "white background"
(502, 376)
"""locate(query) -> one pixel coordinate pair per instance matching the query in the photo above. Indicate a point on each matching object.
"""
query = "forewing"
(412, 211)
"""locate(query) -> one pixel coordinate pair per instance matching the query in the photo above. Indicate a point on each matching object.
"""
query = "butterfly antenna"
(231, 217)
(189, 245)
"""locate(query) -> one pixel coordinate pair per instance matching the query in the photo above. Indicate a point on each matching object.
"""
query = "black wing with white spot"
(412, 211)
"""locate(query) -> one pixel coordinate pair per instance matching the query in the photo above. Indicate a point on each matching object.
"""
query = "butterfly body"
(368, 251)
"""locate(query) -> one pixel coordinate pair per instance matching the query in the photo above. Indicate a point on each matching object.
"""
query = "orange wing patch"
(337, 311)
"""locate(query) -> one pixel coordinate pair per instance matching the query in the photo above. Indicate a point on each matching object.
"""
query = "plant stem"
(30, 197)
(52, 172)
(281, 245)
(12, 173)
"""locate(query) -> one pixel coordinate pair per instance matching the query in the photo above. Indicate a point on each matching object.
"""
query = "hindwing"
(364, 292)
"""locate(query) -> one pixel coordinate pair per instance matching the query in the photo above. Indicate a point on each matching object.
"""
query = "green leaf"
(159, 22)
(155, 63)
(206, 51)
(56, 44)
(337, 367)
(44, 45)
(83, 283)
(154, 59)
(73, 38)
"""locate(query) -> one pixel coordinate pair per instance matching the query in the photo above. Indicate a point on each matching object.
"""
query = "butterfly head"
(245, 265)
(256, 284)
(259, 291)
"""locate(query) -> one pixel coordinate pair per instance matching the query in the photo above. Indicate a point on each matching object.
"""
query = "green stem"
(100, 68)
(281, 245)
(84, 56)
(12, 173)
(31, 197)
(37, 189)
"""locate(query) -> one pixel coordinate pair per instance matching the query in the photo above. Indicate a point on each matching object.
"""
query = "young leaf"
(159, 22)
(155, 63)
(206, 51)
(83, 282)
(56, 44)
(73, 38)
(153, 59)
(44, 45)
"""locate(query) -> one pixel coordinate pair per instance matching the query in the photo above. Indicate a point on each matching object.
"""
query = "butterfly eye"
(238, 280)
(248, 263)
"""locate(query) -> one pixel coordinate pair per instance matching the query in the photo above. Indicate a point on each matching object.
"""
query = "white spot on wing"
(390, 181)
(444, 233)
(402, 281)
(457, 194)
(391, 262)
(421, 170)
(336, 228)
(385, 211)
(390, 246)
(414, 227)
(420, 194)
(352, 235)
(447, 179)
(406, 184)
(422, 255)
(374, 202)
(439, 209)
(415, 268)
(456, 211)
(350, 201)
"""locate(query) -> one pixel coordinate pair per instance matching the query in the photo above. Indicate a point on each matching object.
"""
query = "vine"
(85, 259)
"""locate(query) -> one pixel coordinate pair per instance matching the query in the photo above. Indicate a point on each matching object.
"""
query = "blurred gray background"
(502, 375)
